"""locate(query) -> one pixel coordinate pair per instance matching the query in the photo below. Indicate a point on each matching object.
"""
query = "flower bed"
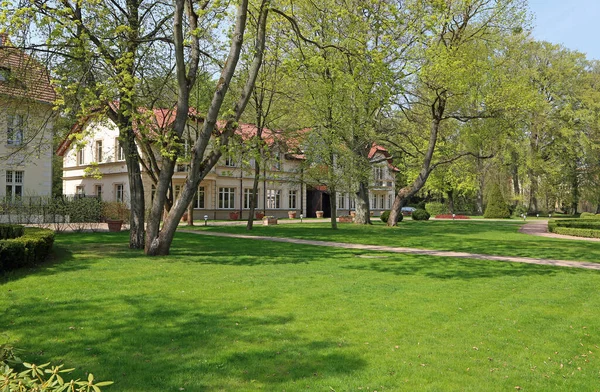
(449, 216)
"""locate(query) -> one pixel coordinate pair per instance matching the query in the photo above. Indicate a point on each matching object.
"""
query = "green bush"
(31, 248)
(8, 232)
(576, 227)
(16, 375)
(436, 208)
(385, 216)
(496, 206)
(589, 215)
(420, 214)
(519, 211)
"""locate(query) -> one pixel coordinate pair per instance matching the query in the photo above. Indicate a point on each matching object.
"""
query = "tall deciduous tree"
(460, 78)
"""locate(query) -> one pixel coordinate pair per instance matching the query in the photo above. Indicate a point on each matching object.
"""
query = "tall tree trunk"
(450, 194)
(363, 211)
(159, 240)
(333, 207)
(190, 214)
(407, 192)
(533, 190)
(254, 200)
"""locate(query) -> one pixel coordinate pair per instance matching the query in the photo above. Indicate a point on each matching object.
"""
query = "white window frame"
(98, 151)
(230, 161)
(80, 190)
(15, 184)
(248, 198)
(293, 199)
(273, 199)
(341, 201)
(99, 190)
(119, 152)
(200, 198)
(80, 156)
(226, 198)
(119, 193)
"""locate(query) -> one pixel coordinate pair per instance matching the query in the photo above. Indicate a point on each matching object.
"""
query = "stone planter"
(269, 221)
(260, 215)
(353, 213)
(345, 219)
(234, 215)
(320, 214)
(114, 225)
(292, 214)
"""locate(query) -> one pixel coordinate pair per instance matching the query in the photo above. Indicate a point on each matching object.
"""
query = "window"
(248, 198)
(382, 201)
(352, 203)
(389, 206)
(80, 157)
(341, 201)
(120, 154)
(293, 200)
(119, 193)
(14, 184)
(199, 198)
(226, 197)
(177, 191)
(99, 192)
(379, 172)
(80, 190)
(99, 151)
(14, 136)
(273, 198)
(182, 167)
(229, 161)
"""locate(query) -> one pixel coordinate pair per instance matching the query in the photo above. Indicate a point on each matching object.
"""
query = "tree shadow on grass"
(248, 252)
(154, 345)
(456, 268)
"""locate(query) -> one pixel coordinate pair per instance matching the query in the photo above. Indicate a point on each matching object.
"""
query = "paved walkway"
(540, 228)
(414, 251)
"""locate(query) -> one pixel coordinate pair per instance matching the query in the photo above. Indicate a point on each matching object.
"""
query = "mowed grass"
(240, 315)
(481, 237)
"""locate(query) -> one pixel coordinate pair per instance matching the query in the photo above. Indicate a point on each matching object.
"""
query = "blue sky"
(572, 23)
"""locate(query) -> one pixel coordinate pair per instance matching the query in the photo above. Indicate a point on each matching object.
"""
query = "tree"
(159, 239)
(460, 78)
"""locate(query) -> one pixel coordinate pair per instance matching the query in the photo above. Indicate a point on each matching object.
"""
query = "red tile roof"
(28, 79)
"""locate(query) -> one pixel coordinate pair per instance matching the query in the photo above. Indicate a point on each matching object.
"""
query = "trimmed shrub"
(519, 210)
(385, 216)
(8, 232)
(420, 214)
(436, 208)
(576, 227)
(589, 215)
(31, 248)
(496, 206)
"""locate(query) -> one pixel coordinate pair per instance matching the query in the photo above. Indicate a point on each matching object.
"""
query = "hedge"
(10, 231)
(385, 215)
(31, 248)
(589, 215)
(575, 227)
(420, 215)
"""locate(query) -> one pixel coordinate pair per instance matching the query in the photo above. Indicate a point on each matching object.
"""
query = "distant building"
(95, 166)
(26, 121)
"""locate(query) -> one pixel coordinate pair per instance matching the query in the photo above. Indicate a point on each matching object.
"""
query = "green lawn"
(483, 237)
(239, 315)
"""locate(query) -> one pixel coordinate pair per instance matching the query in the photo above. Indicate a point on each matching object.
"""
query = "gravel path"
(414, 251)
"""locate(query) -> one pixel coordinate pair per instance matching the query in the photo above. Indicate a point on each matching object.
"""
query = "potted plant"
(269, 220)
(292, 214)
(345, 219)
(234, 215)
(260, 215)
(320, 214)
(114, 214)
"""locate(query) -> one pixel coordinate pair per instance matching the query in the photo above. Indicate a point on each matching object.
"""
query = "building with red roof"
(94, 165)
(26, 122)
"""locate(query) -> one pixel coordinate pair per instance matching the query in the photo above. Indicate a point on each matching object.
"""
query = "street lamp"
(205, 220)
(301, 216)
(453, 216)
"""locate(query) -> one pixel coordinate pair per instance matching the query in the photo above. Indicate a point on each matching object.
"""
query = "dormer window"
(229, 161)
